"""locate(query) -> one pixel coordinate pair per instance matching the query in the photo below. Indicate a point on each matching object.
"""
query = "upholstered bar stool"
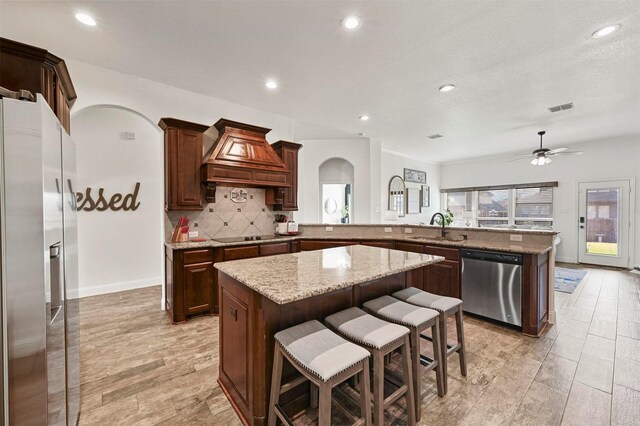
(446, 306)
(326, 360)
(379, 338)
(418, 319)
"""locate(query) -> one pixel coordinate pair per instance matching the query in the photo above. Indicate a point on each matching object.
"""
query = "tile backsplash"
(225, 218)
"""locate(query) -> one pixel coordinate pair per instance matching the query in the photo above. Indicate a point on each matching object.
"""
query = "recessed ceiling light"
(271, 84)
(605, 31)
(351, 23)
(446, 87)
(86, 19)
(364, 117)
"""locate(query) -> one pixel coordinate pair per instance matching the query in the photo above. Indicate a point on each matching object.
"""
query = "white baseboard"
(566, 259)
(86, 290)
(552, 317)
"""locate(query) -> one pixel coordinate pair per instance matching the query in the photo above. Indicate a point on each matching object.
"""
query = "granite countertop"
(470, 244)
(287, 278)
(438, 227)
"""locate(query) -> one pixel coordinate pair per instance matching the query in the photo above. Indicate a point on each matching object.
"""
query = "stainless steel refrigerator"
(39, 270)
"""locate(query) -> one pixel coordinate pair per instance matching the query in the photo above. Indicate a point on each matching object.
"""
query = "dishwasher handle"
(492, 256)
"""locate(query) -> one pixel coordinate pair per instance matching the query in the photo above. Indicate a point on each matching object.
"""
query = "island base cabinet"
(248, 322)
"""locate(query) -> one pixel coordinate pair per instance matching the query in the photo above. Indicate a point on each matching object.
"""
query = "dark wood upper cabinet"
(182, 160)
(34, 69)
(286, 198)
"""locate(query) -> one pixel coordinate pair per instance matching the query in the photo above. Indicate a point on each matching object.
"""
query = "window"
(493, 208)
(516, 206)
(534, 207)
(458, 203)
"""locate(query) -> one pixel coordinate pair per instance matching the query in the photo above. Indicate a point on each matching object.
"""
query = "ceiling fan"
(542, 156)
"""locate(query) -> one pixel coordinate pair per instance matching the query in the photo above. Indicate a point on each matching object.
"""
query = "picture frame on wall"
(415, 176)
(413, 200)
(426, 196)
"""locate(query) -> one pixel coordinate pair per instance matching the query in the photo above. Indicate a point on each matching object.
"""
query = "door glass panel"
(602, 221)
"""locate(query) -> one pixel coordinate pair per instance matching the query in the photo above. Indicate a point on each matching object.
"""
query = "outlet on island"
(515, 237)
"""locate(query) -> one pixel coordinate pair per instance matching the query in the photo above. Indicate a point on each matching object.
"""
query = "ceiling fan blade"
(522, 155)
(557, 150)
(569, 153)
(520, 158)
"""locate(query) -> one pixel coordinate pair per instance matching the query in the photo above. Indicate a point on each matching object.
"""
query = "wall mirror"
(397, 192)
(413, 200)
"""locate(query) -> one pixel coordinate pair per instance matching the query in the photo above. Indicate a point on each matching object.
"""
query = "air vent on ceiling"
(436, 136)
(562, 107)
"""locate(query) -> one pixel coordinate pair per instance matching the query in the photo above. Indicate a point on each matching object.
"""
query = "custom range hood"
(242, 156)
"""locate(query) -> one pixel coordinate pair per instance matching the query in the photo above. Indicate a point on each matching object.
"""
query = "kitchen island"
(261, 296)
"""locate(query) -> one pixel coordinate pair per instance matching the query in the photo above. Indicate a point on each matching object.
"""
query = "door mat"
(566, 280)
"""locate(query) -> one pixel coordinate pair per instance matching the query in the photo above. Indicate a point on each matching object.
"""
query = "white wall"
(394, 164)
(100, 86)
(316, 152)
(118, 254)
(601, 160)
(119, 250)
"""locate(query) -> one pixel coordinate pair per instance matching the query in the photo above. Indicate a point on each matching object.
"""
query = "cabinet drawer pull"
(234, 314)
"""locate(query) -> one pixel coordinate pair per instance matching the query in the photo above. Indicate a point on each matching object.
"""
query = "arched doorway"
(336, 191)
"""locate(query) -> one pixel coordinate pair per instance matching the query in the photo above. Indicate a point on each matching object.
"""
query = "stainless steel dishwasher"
(492, 285)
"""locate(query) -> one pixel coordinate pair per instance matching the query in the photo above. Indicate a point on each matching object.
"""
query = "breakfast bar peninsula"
(261, 296)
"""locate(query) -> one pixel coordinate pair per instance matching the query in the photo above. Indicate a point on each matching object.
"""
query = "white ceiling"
(510, 60)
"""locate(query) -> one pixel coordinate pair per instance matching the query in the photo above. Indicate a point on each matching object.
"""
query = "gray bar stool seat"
(326, 360)
(446, 306)
(379, 338)
(418, 319)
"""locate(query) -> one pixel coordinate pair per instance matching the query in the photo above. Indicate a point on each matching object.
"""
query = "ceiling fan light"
(540, 160)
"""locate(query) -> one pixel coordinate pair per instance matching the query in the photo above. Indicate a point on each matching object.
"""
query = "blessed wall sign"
(88, 201)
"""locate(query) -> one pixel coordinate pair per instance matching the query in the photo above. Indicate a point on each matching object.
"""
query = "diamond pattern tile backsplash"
(224, 218)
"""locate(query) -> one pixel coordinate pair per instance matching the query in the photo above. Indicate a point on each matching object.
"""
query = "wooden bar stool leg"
(276, 378)
(407, 370)
(415, 360)
(313, 396)
(365, 393)
(443, 349)
(324, 412)
(378, 388)
(437, 355)
(461, 351)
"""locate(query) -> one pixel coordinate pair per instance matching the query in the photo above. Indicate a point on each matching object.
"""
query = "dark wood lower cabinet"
(189, 284)
(191, 281)
(443, 278)
(381, 244)
(535, 293)
(323, 244)
(198, 288)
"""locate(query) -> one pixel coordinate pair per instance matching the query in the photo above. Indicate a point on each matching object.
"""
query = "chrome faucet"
(433, 220)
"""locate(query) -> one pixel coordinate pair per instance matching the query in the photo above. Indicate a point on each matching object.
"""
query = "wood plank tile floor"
(137, 368)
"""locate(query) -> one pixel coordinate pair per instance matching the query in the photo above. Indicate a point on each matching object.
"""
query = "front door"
(604, 228)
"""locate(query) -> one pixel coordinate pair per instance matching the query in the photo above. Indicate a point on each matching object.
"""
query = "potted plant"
(344, 212)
